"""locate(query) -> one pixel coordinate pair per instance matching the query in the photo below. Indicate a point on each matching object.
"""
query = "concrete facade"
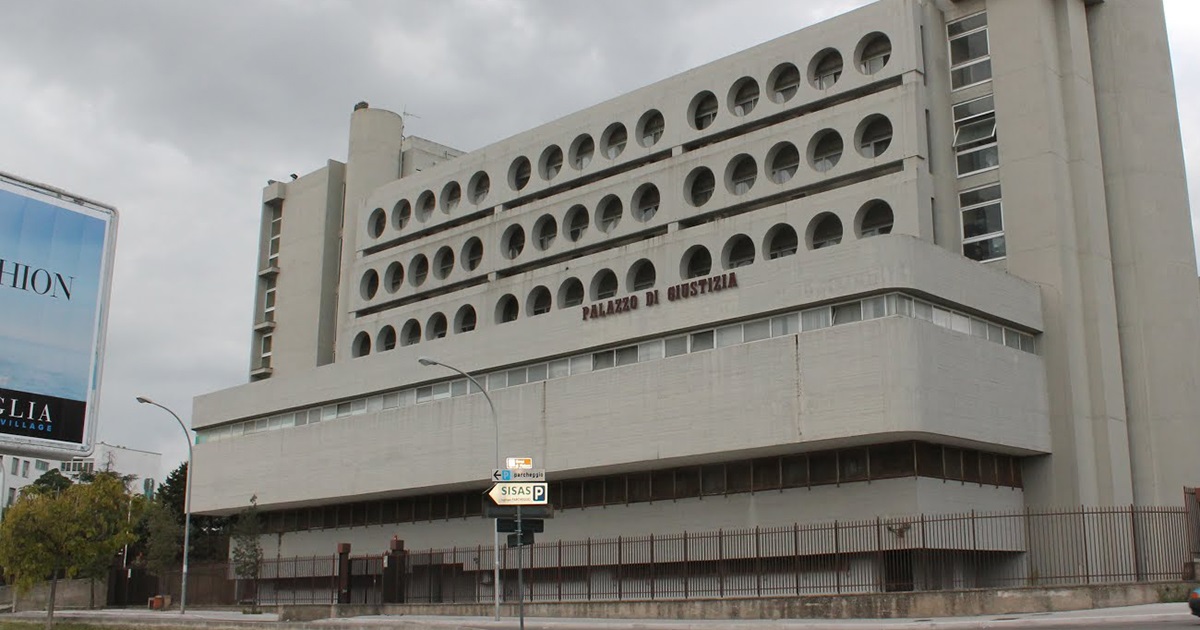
(990, 256)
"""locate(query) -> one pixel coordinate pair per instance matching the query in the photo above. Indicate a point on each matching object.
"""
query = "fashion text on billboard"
(55, 270)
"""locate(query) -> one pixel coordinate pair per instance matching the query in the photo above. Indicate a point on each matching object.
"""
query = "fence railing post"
(837, 557)
(1133, 535)
(1087, 565)
(620, 577)
(796, 553)
(758, 560)
(589, 568)
(560, 565)
(652, 572)
(721, 561)
(687, 566)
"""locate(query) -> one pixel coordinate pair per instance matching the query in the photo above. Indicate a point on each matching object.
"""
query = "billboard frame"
(52, 195)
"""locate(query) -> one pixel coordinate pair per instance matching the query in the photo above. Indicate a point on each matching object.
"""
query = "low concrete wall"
(68, 594)
(866, 606)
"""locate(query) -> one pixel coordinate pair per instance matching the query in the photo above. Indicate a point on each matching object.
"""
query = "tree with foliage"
(162, 540)
(46, 535)
(51, 482)
(247, 552)
(209, 534)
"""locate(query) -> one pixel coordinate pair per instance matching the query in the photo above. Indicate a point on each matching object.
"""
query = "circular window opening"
(386, 340)
(781, 241)
(875, 218)
(570, 293)
(464, 319)
(519, 172)
(743, 96)
(545, 230)
(783, 82)
(604, 285)
(612, 141)
(641, 275)
(582, 150)
(700, 186)
(410, 334)
(362, 345)
(401, 214)
(703, 110)
(650, 128)
(443, 263)
(741, 174)
(377, 223)
(550, 164)
(825, 150)
(393, 278)
(645, 202)
(825, 231)
(513, 242)
(539, 301)
(507, 309)
(451, 196)
(783, 160)
(738, 252)
(480, 185)
(825, 69)
(425, 205)
(370, 284)
(608, 214)
(576, 223)
(418, 270)
(873, 53)
(696, 263)
(874, 136)
(436, 327)
(472, 253)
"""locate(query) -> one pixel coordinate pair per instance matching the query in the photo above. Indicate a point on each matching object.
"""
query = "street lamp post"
(187, 502)
(426, 361)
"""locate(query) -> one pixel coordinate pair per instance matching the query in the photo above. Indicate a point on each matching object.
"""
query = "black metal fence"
(924, 553)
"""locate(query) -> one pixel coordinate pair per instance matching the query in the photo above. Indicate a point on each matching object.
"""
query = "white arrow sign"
(515, 493)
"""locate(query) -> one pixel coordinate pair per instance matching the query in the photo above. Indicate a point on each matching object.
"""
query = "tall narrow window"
(276, 230)
(700, 186)
(783, 160)
(975, 136)
(970, 62)
(741, 173)
(784, 82)
(826, 69)
(983, 223)
(875, 136)
(576, 223)
(645, 202)
(650, 128)
(826, 231)
(704, 110)
(743, 96)
(827, 150)
(269, 300)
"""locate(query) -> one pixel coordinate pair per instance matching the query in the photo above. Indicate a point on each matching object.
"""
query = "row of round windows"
(783, 82)
(872, 137)
(873, 219)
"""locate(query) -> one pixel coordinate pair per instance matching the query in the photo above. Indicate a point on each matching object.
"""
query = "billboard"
(56, 255)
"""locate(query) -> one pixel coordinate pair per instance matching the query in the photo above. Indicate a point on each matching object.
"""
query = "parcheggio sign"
(56, 253)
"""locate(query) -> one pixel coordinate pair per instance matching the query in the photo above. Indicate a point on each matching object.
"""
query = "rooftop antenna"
(404, 112)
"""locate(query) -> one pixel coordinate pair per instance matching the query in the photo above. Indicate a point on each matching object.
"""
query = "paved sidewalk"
(1106, 618)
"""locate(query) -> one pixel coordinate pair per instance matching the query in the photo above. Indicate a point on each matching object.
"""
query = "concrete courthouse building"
(924, 257)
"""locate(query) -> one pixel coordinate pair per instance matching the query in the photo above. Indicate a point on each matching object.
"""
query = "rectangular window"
(627, 355)
(499, 380)
(785, 325)
(560, 368)
(603, 360)
(873, 307)
(25, 468)
(537, 372)
(975, 136)
(650, 351)
(41, 466)
(702, 341)
(675, 346)
(847, 313)
(16, 465)
(815, 318)
(581, 364)
(753, 331)
(969, 52)
(982, 223)
(518, 376)
(728, 336)
(458, 388)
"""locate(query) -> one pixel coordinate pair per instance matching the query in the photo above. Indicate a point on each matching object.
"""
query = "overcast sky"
(177, 113)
